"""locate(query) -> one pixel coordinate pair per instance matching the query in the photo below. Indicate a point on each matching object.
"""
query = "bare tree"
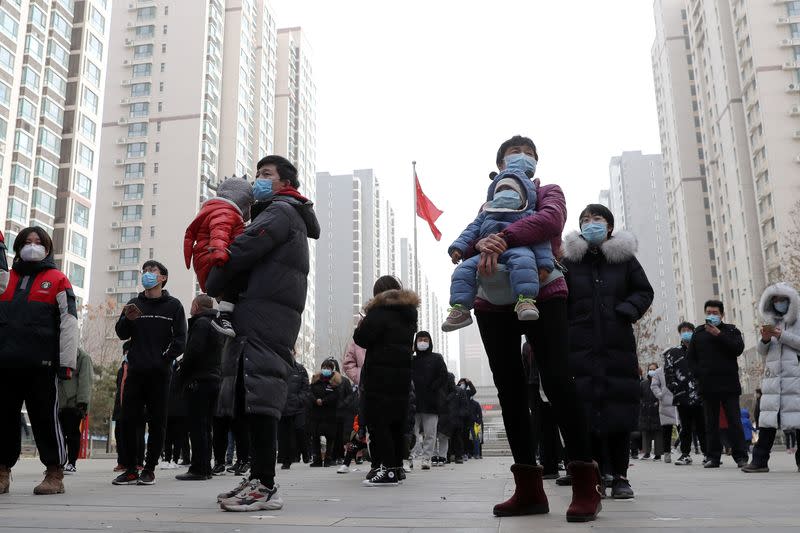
(790, 254)
(644, 331)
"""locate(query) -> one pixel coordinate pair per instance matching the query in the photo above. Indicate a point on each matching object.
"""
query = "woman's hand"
(490, 248)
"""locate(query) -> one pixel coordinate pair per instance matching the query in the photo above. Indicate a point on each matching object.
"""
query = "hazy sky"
(444, 82)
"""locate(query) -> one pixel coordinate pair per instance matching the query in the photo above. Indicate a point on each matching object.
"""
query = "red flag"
(427, 211)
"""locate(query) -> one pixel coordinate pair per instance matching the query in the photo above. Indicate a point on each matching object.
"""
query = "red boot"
(529, 496)
(587, 486)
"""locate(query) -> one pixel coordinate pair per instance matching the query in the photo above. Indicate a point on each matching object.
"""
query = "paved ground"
(669, 498)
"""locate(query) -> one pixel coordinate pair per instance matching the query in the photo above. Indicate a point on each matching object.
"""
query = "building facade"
(53, 57)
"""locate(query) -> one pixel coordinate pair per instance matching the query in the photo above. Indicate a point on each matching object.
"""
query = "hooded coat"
(649, 419)
(448, 415)
(608, 292)
(387, 333)
(273, 254)
(430, 377)
(780, 386)
(667, 411)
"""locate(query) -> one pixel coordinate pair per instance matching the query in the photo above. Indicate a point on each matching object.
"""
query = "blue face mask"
(262, 190)
(714, 320)
(521, 162)
(594, 232)
(506, 199)
(781, 306)
(149, 280)
(327, 372)
(686, 336)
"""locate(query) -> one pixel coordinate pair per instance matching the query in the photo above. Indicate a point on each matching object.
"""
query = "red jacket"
(208, 237)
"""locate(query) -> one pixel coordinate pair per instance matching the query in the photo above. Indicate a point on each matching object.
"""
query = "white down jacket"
(781, 383)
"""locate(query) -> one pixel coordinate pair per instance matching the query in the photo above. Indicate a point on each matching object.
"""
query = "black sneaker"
(754, 468)
(222, 323)
(242, 468)
(147, 477)
(192, 476)
(131, 477)
(218, 470)
(285, 466)
(711, 463)
(621, 489)
(384, 477)
(232, 467)
(401, 474)
(372, 472)
(359, 461)
(328, 462)
(684, 460)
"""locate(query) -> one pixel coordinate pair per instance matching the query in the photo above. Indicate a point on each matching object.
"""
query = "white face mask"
(423, 346)
(33, 252)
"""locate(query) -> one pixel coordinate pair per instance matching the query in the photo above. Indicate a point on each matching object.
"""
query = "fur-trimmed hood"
(769, 314)
(394, 298)
(621, 247)
(336, 378)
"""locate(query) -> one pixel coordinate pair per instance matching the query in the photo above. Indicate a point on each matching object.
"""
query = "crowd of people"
(555, 317)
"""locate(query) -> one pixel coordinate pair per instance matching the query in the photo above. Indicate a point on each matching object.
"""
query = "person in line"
(429, 374)
(116, 416)
(446, 421)
(176, 440)
(476, 434)
(387, 333)
(324, 399)
(273, 255)
(199, 377)
(346, 410)
(608, 293)
(667, 413)
(155, 323)
(712, 353)
(38, 344)
(682, 385)
(74, 399)
(649, 423)
(466, 390)
(356, 444)
(292, 425)
(501, 332)
(780, 347)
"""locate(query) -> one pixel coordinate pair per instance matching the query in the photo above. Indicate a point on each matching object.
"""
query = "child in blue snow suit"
(511, 197)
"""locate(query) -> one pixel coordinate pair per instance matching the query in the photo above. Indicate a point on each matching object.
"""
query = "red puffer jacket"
(208, 237)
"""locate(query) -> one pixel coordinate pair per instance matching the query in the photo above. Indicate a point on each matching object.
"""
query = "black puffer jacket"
(298, 397)
(326, 390)
(387, 333)
(430, 376)
(714, 360)
(201, 359)
(273, 254)
(608, 292)
(648, 415)
(448, 415)
(680, 378)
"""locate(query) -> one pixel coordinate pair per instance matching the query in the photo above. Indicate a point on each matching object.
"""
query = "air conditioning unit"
(789, 65)
(112, 268)
(797, 158)
(128, 42)
(118, 183)
(127, 82)
(786, 42)
(122, 120)
(116, 203)
(125, 101)
(783, 20)
(115, 224)
(113, 246)
(119, 161)
(795, 110)
(126, 62)
(122, 140)
(110, 290)
(796, 134)
(792, 87)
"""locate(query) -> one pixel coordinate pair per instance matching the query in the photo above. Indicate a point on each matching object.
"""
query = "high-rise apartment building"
(638, 202)
(295, 138)
(53, 58)
(687, 202)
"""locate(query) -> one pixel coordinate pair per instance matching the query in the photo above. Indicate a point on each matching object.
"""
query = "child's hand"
(455, 256)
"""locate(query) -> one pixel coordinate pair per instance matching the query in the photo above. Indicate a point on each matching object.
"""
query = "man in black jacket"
(200, 379)
(292, 425)
(712, 354)
(155, 323)
(429, 374)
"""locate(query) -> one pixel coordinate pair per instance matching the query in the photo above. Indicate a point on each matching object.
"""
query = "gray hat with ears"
(239, 191)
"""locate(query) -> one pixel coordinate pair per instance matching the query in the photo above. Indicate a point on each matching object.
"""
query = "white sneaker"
(343, 470)
(426, 464)
(69, 468)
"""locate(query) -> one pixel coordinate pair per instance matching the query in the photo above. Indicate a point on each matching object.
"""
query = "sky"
(444, 82)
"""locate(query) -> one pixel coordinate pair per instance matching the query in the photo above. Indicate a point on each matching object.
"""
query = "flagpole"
(415, 262)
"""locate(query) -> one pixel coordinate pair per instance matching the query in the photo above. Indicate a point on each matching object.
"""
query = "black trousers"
(611, 451)
(144, 390)
(202, 398)
(730, 403)
(666, 436)
(39, 390)
(762, 449)
(386, 442)
(327, 429)
(263, 431)
(292, 438)
(545, 437)
(223, 425)
(71, 419)
(501, 332)
(119, 437)
(176, 440)
(692, 423)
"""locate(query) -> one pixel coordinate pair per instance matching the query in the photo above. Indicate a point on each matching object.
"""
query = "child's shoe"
(222, 323)
(458, 318)
(526, 309)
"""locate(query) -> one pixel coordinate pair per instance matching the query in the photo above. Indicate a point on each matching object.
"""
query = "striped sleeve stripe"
(68, 338)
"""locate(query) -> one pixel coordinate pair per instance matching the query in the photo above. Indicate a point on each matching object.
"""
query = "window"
(95, 46)
(795, 29)
(158, 126)
(134, 171)
(86, 156)
(141, 70)
(92, 71)
(130, 234)
(88, 127)
(158, 147)
(140, 89)
(139, 109)
(161, 86)
(20, 176)
(165, 29)
(131, 213)
(77, 275)
(46, 171)
(37, 17)
(127, 279)
(59, 54)
(153, 210)
(145, 32)
(793, 8)
(164, 48)
(3, 129)
(166, 10)
(160, 107)
(30, 78)
(44, 202)
(8, 25)
(80, 214)
(137, 149)
(145, 13)
(23, 143)
(137, 129)
(60, 25)
(34, 47)
(78, 244)
(17, 211)
(90, 100)
(133, 192)
(152, 232)
(97, 20)
(155, 168)
(50, 140)
(163, 67)
(6, 60)
(142, 51)
(27, 110)
(5, 94)
(53, 111)
(56, 82)
(82, 185)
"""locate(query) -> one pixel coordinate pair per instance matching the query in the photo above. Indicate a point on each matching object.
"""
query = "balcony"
(126, 203)
(790, 42)
(134, 99)
(127, 224)
(791, 65)
(119, 245)
(129, 181)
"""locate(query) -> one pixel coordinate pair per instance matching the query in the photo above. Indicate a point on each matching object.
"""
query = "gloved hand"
(64, 373)
(83, 409)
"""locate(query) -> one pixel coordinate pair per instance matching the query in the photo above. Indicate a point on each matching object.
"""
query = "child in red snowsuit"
(208, 237)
